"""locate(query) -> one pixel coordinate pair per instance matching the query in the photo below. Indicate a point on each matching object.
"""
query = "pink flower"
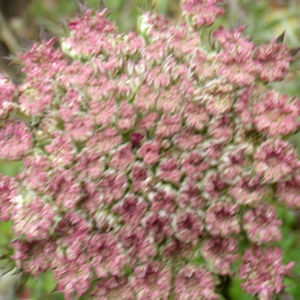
(168, 125)
(142, 151)
(64, 189)
(195, 116)
(149, 151)
(89, 165)
(275, 160)
(158, 225)
(140, 177)
(261, 224)
(249, 191)
(288, 192)
(15, 141)
(73, 278)
(169, 101)
(80, 128)
(113, 288)
(138, 244)
(7, 188)
(106, 255)
(186, 139)
(233, 164)
(169, 170)
(201, 12)
(263, 272)
(121, 158)
(131, 209)
(104, 141)
(146, 98)
(8, 91)
(275, 59)
(194, 165)
(190, 196)
(40, 255)
(194, 283)
(113, 186)
(220, 253)
(189, 227)
(62, 150)
(151, 281)
(127, 116)
(276, 114)
(162, 200)
(212, 185)
(221, 219)
(33, 220)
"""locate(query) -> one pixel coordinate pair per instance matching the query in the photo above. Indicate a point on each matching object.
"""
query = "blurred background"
(24, 21)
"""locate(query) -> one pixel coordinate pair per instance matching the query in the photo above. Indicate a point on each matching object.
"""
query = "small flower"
(275, 160)
(15, 141)
(248, 191)
(151, 281)
(212, 185)
(187, 140)
(234, 163)
(163, 200)
(121, 158)
(36, 99)
(275, 60)
(195, 116)
(220, 128)
(276, 114)
(190, 196)
(113, 186)
(138, 244)
(221, 219)
(194, 165)
(113, 288)
(62, 150)
(80, 128)
(89, 165)
(131, 209)
(159, 226)
(75, 278)
(288, 192)
(140, 177)
(169, 170)
(189, 227)
(106, 255)
(33, 220)
(105, 141)
(201, 12)
(41, 255)
(168, 125)
(220, 253)
(149, 151)
(104, 112)
(263, 272)
(8, 91)
(194, 283)
(136, 138)
(261, 224)
(7, 189)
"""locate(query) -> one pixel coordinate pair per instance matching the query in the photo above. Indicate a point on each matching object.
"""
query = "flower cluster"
(144, 153)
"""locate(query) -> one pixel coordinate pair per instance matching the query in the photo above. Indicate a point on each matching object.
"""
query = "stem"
(173, 275)
(224, 286)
